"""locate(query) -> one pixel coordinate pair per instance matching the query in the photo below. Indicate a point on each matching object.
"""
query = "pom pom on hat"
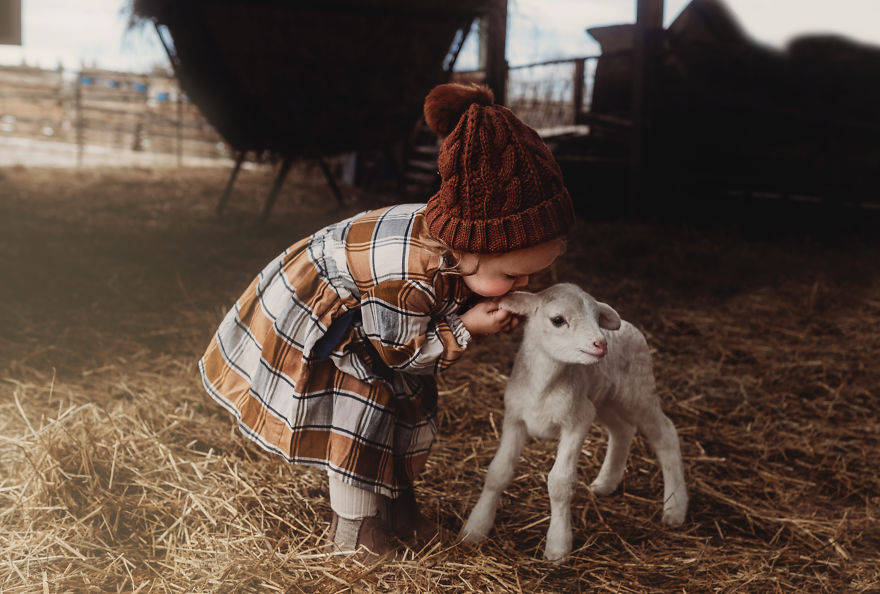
(445, 105)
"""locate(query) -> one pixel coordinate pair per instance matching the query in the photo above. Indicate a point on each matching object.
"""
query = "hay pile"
(118, 473)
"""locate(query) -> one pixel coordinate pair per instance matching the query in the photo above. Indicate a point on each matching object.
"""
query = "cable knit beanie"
(501, 189)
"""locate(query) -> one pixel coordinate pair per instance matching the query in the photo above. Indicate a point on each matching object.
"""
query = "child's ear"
(607, 317)
(520, 303)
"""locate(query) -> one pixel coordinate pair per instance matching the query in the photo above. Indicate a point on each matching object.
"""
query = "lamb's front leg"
(620, 436)
(482, 517)
(560, 484)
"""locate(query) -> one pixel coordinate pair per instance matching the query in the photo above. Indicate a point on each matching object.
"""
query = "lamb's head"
(565, 322)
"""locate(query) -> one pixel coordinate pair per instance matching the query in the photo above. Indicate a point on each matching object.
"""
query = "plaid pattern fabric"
(365, 407)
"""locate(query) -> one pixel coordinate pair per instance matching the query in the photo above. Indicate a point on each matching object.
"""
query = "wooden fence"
(104, 108)
(547, 95)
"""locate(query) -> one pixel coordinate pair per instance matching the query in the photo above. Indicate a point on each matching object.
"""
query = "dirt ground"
(118, 473)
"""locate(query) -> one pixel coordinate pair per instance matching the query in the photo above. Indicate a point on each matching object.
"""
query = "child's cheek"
(497, 288)
(493, 287)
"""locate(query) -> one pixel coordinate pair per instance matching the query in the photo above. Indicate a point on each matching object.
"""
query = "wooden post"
(179, 128)
(649, 25)
(10, 22)
(276, 187)
(493, 49)
(225, 197)
(331, 181)
(578, 94)
(80, 140)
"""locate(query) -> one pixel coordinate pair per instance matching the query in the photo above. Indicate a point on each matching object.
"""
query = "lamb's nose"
(601, 346)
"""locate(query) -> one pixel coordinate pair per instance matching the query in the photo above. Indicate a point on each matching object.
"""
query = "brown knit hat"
(501, 189)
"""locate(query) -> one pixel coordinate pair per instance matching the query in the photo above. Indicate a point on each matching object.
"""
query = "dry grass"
(118, 473)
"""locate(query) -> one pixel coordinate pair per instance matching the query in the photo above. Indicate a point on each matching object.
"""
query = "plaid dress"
(328, 358)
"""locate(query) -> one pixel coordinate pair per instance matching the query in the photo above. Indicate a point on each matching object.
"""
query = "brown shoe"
(352, 536)
(406, 521)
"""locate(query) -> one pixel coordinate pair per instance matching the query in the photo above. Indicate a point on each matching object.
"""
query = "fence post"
(80, 140)
(578, 89)
(179, 128)
(493, 48)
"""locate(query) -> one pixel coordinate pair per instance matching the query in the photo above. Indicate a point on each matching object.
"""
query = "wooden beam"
(10, 22)
(493, 49)
(578, 90)
(649, 25)
(80, 120)
(276, 187)
(331, 181)
(225, 197)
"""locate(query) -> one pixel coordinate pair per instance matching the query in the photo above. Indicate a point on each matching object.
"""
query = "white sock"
(350, 502)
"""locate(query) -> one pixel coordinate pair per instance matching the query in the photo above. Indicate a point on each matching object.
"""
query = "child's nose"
(521, 281)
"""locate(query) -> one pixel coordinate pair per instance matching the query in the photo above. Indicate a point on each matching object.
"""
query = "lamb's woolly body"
(559, 385)
(543, 401)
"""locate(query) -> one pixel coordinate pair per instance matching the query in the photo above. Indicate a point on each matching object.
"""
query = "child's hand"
(486, 318)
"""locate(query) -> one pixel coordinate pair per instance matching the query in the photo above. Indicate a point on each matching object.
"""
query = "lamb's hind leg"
(620, 436)
(482, 517)
(663, 437)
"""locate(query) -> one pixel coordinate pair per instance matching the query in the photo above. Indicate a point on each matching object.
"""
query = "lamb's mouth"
(597, 355)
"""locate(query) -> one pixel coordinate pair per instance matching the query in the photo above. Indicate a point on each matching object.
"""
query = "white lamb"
(578, 362)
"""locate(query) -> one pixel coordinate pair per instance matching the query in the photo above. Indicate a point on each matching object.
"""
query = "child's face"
(499, 274)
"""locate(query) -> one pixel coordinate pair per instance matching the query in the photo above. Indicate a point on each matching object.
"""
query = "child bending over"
(328, 358)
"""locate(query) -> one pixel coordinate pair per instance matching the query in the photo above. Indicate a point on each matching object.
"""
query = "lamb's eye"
(557, 321)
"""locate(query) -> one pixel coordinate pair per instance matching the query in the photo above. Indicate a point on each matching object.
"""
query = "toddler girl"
(328, 358)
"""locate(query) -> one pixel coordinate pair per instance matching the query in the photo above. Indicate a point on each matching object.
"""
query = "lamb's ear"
(519, 302)
(607, 317)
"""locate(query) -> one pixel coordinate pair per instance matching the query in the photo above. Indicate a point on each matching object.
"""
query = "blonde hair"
(450, 259)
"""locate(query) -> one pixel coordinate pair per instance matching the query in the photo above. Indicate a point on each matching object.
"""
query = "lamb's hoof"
(477, 526)
(471, 536)
(675, 516)
(602, 489)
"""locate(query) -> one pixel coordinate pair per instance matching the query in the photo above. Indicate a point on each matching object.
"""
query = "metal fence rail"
(547, 95)
(96, 108)
(149, 113)
(551, 94)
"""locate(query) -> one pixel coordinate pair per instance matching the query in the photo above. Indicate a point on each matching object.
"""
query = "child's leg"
(358, 519)
(352, 503)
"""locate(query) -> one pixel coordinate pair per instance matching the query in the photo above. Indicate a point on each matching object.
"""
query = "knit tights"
(350, 502)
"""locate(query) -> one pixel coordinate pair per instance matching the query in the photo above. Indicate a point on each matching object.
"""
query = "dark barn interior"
(729, 122)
